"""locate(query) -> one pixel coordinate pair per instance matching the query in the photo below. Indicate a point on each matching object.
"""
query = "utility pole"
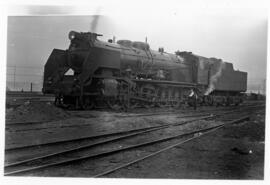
(14, 78)
(264, 86)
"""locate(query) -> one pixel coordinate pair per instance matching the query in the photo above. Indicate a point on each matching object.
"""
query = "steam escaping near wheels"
(214, 78)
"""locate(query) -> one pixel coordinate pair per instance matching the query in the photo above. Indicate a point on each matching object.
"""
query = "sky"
(232, 33)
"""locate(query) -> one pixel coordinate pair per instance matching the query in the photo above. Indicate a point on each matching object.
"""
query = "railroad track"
(156, 109)
(175, 111)
(111, 133)
(46, 161)
(189, 137)
(15, 126)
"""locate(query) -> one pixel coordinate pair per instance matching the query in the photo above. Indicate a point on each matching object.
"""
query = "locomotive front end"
(64, 72)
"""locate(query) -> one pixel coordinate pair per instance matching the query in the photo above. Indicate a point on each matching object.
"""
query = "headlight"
(71, 35)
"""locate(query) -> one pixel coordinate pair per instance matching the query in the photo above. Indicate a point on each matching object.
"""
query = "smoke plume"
(95, 21)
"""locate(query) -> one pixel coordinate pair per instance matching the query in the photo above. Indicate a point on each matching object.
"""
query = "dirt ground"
(33, 111)
(234, 152)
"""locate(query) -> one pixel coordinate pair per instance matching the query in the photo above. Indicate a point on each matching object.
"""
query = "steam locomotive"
(126, 74)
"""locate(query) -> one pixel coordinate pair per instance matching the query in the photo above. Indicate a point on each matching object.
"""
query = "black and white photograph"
(135, 90)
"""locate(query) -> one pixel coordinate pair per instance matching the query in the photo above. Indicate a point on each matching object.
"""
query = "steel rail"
(176, 112)
(85, 124)
(207, 131)
(33, 122)
(102, 154)
(95, 136)
(104, 142)
(96, 155)
(108, 134)
(10, 125)
(121, 116)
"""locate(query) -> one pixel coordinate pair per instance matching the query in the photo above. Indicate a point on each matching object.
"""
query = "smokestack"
(145, 39)
(113, 40)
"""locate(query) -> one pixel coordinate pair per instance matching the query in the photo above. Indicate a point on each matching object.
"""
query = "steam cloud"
(214, 79)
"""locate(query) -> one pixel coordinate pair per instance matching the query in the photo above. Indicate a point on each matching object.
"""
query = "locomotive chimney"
(113, 40)
(145, 39)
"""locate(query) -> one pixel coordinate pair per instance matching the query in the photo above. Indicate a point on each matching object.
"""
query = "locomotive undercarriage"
(128, 97)
(124, 93)
(225, 98)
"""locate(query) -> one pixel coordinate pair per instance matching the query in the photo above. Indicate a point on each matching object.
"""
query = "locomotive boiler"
(128, 74)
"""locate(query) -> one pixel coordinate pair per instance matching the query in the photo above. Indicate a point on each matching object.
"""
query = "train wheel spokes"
(145, 105)
(162, 104)
(148, 104)
(114, 103)
(133, 104)
(175, 103)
